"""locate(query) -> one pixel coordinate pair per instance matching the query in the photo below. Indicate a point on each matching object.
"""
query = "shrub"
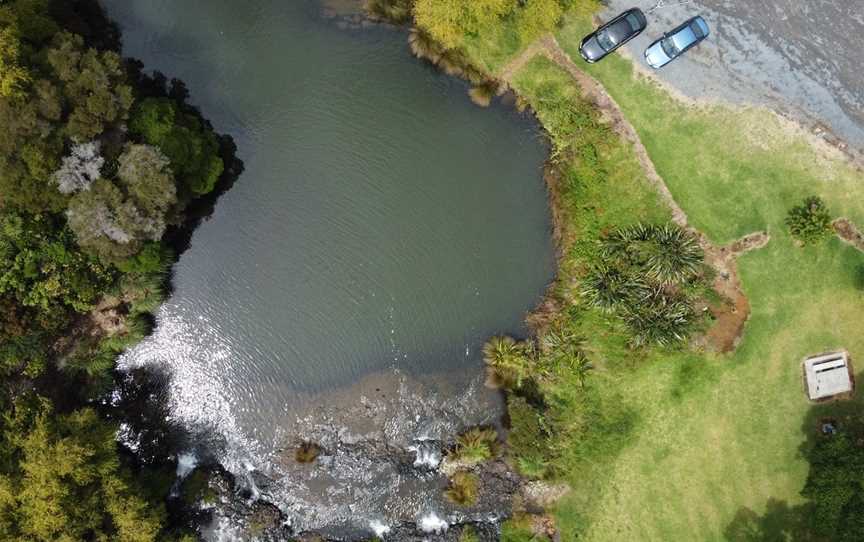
(468, 534)
(528, 438)
(519, 529)
(395, 11)
(307, 452)
(510, 361)
(809, 222)
(464, 488)
(476, 445)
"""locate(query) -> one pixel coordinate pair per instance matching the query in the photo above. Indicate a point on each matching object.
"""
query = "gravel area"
(799, 57)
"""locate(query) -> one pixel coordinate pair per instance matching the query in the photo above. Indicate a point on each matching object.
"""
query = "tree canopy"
(449, 21)
(67, 482)
(85, 202)
(191, 147)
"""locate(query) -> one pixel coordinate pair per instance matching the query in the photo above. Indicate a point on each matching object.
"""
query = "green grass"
(734, 170)
(495, 46)
(671, 445)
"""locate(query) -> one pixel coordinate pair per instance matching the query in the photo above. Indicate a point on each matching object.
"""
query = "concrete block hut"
(828, 375)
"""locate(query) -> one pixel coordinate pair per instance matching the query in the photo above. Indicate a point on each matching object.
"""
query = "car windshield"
(634, 22)
(605, 40)
(669, 47)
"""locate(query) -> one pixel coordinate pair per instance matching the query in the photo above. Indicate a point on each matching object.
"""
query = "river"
(342, 289)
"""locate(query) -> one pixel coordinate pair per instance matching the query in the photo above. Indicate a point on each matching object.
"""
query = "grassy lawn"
(733, 170)
(671, 445)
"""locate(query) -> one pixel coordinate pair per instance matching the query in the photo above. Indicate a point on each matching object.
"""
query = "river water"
(342, 289)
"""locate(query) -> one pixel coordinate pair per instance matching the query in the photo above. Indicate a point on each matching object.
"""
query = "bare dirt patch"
(731, 314)
(848, 232)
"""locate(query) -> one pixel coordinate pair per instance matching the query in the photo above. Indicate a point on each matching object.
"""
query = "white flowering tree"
(78, 170)
(114, 218)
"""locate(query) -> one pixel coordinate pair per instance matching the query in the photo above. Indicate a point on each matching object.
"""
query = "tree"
(30, 148)
(146, 175)
(809, 222)
(30, 18)
(191, 147)
(94, 85)
(835, 487)
(537, 17)
(80, 168)
(41, 267)
(114, 224)
(449, 21)
(14, 78)
(69, 483)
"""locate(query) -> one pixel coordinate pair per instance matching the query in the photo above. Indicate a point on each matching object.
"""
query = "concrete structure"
(827, 375)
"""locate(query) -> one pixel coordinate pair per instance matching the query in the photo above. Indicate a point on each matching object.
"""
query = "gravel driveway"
(802, 58)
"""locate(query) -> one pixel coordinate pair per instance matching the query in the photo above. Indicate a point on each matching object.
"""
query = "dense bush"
(835, 487)
(528, 438)
(66, 482)
(809, 222)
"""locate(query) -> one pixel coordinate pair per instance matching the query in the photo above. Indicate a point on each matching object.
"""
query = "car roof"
(684, 37)
(620, 30)
(689, 32)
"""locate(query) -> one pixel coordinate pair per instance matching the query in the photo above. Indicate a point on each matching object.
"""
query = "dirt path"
(848, 232)
(731, 315)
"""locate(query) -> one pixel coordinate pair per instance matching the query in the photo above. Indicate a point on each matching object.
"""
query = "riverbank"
(632, 442)
(104, 173)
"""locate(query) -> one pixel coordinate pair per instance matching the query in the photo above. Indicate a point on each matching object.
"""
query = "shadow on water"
(782, 522)
(88, 19)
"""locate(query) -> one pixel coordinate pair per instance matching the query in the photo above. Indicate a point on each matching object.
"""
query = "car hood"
(591, 49)
(656, 56)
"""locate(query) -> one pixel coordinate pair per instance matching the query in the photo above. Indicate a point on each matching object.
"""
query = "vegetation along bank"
(662, 383)
(103, 170)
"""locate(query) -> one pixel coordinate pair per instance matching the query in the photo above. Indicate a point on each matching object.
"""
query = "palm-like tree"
(674, 255)
(666, 252)
(659, 317)
(562, 350)
(608, 286)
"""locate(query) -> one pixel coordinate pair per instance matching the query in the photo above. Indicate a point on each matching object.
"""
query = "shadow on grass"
(835, 475)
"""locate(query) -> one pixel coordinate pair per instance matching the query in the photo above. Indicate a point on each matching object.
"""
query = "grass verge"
(674, 444)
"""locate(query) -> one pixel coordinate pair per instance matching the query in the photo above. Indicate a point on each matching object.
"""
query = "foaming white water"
(378, 528)
(431, 523)
(186, 463)
(426, 453)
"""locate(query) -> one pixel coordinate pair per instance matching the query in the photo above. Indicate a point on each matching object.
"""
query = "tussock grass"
(464, 488)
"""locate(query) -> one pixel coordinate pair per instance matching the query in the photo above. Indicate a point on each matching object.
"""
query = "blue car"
(676, 42)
